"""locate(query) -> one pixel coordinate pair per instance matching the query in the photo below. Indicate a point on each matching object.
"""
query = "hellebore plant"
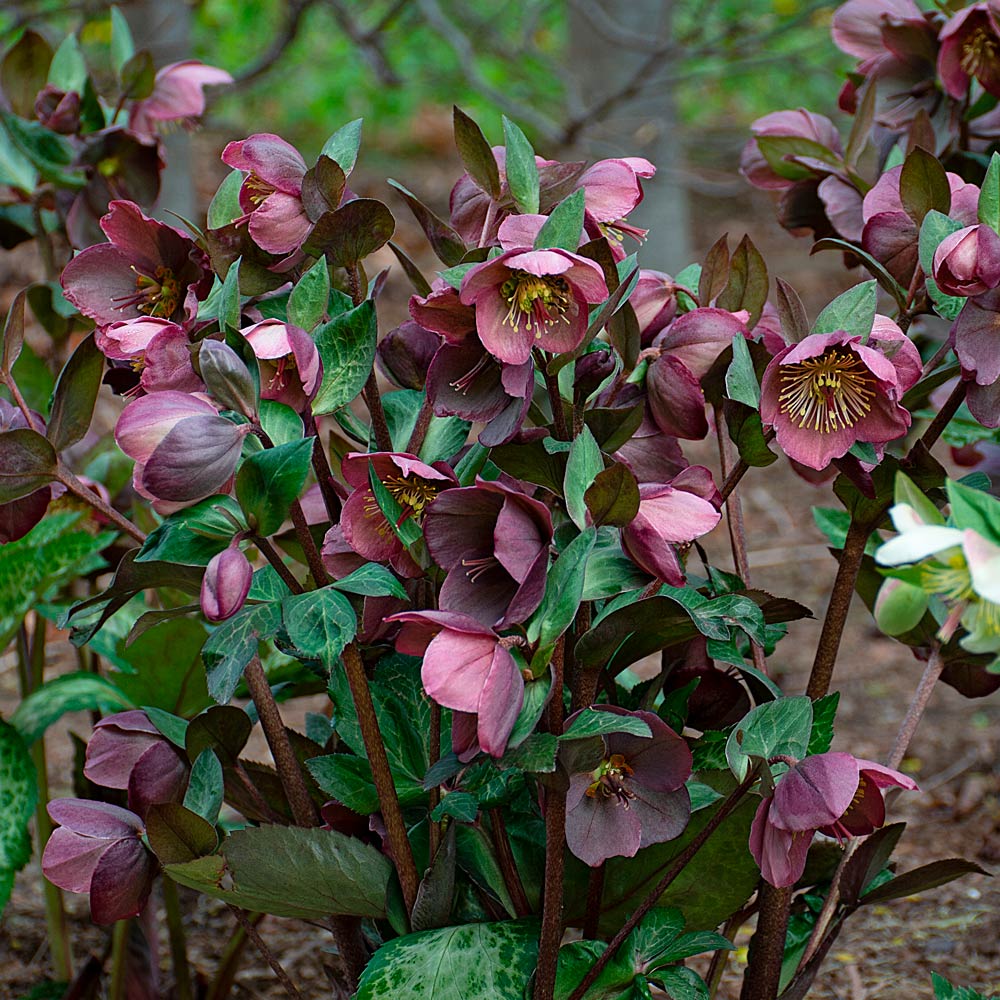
(538, 665)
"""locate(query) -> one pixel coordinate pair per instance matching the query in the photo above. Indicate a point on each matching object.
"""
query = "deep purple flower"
(183, 449)
(671, 514)
(271, 195)
(970, 47)
(97, 849)
(19, 516)
(178, 95)
(494, 543)
(967, 262)
(635, 796)
(290, 369)
(525, 298)
(468, 668)
(405, 353)
(148, 269)
(830, 793)
(829, 391)
(127, 751)
(58, 110)
(226, 583)
(412, 484)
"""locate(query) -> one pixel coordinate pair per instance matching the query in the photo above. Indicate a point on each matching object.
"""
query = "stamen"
(978, 50)
(464, 383)
(953, 582)
(412, 493)
(154, 296)
(538, 301)
(479, 566)
(257, 189)
(827, 393)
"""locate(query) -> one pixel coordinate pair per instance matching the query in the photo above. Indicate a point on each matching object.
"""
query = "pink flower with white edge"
(529, 298)
(671, 514)
(466, 667)
(290, 369)
(830, 391)
(271, 195)
(178, 95)
(830, 793)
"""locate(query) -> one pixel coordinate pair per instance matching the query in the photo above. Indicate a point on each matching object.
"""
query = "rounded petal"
(780, 854)
(144, 423)
(598, 828)
(815, 792)
(983, 557)
(121, 882)
(194, 459)
(456, 666)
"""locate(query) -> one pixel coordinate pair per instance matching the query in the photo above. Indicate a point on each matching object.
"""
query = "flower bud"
(968, 261)
(226, 584)
(58, 110)
(655, 303)
(227, 378)
(899, 607)
(405, 354)
(591, 370)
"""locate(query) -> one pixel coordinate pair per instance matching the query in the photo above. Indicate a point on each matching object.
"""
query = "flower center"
(979, 50)
(952, 581)
(540, 301)
(257, 189)
(827, 393)
(412, 493)
(283, 366)
(155, 295)
(609, 781)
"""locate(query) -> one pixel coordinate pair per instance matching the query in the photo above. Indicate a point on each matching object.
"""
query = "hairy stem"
(595, 892)
(421, 427)
(178, 940)
(292, 780)
(767, 948)
(380, 428)
(944, 415)
(321, 466)
(261, 945)
(935, 664)
(395, 825)
(555, 399)
(508, 865)
(680, 862)
(89, 497)
(304, 535)
(268, 551)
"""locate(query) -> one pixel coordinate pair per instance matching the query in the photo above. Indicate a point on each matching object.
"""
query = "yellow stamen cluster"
(978, 50)
(538, 301)
(827, 393)
(156, 295)
(952, 581)
(257, 190)
(412, 493)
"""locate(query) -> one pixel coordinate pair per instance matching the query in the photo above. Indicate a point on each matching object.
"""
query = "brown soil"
(886, 953)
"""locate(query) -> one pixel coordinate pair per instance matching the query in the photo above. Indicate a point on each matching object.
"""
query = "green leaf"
(76, 395)
(18, 796)
(225, 204)
(989, 195)
(307, 303)
(921, 879)
(824, 713)
(613, 497)
(347, 348)
(522, 171)
(778, 150)
(459, 805)
(741, 380)
(563, 591)
(591, 722)
(943, 990)
(68, 70)
(193, 535)
(372, 580)
(348, 779)
(747, 432)
(170, 725)
(122, 46)
(923, 185)
(575, 961)
(852, 311)
(454, 275)
(76, 692)
(476, 154)
(229, 299)
(319, 624)
(777, 727)
(23, 71)
(582, 467)
(270, 481)
(535, 754)
(350, 233)
(294, 872)
(748, 282)
(204, 791)
(472, 962)
(564, 225)
(935, 227)
(280, 422)
(178, 835)
(342, 147)
(50, 154)
(234, 643)
(682, 983)
(974, 509)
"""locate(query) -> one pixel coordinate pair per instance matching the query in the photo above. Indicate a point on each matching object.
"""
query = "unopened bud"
(226, 584)
(899, 607)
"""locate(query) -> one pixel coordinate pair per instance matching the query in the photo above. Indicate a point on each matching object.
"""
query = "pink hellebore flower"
(291, 369)
(271, 195)
(634, 797)
(799, 124)
(183, 449)
(158, 349)
(525, 298)
(967, 262)
(858, 24)
(468, 668)
(178, 95)
(494, 543)
(654, 301)
(147, 269)
(829, 391)
(612, 189)
(671, 514)
(970, 47)
(97, 849)
(412, 484)
(976, 333)
(127, 751)
(830, 793)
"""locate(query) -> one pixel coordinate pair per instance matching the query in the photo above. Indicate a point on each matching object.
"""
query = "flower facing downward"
(634, 797)
(830, 793)
(290, 364)
(525, 298)
(178, 95)
(829, 391)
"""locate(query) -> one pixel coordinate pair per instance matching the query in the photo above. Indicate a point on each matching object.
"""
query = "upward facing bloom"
(831, 793)
(829, 391)
(525, 298)
(147, 269)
